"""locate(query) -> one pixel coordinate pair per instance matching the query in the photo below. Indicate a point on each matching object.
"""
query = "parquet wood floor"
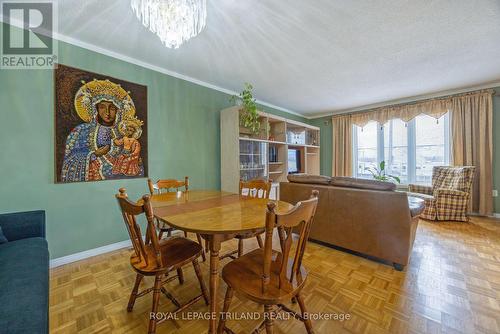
(452, 285)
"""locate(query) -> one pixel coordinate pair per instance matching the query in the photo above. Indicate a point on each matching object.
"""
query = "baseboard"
(495, 215)
(89, 253)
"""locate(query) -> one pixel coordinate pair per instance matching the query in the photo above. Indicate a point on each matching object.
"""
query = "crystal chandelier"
(174, 21)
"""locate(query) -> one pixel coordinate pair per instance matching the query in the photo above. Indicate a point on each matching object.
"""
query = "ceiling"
(313, 57)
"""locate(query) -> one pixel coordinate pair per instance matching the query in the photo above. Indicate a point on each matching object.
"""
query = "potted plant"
(268, 130)
(380, 174)
(249, 117)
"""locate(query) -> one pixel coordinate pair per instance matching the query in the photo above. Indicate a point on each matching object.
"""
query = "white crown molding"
(415, 98)
(89, 253)
(135, 61)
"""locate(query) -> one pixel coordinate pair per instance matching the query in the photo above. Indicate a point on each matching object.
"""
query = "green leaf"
(249, 116)
(372, 171)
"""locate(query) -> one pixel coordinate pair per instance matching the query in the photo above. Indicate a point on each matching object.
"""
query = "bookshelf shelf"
(267, 149)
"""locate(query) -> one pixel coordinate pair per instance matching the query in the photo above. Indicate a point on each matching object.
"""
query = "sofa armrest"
(418, 188)
(21, 225)
(416, 205)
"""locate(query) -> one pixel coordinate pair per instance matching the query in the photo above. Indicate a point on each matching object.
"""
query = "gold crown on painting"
(95, 91)
(131, 121)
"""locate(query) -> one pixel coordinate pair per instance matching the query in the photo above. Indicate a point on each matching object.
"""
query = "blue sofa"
(24, 274)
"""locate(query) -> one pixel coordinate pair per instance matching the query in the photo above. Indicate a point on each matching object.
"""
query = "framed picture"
(100, 127)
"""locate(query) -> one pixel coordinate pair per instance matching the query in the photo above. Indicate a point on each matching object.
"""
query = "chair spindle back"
(257, 188)
(301, 214)
(130, 211)
(165, 185)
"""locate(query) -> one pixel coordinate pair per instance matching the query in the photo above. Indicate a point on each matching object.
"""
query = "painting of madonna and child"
(101, 127)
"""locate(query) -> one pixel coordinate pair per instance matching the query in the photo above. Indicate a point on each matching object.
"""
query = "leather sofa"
(364, 216)
(24, 274)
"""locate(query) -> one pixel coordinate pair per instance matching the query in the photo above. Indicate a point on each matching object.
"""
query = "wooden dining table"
(217, 216)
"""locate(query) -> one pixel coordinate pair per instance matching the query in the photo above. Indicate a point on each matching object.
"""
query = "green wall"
(325, 124)
(183, 135)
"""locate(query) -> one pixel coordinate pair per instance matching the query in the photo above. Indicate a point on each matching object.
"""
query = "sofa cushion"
(417, 205)
(351, 182)
(24, 282)
(307, 178)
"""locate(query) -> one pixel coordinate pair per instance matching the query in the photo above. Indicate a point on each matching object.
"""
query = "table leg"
(214, 282)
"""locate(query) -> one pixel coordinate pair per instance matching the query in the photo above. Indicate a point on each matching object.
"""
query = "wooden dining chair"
(257, 188)
(269, 277)
(155, 257)
(167, 185)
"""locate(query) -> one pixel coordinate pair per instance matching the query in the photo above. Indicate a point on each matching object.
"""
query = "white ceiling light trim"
(173, 21)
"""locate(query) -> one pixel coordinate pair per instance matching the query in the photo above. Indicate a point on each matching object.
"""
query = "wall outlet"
(495, 193)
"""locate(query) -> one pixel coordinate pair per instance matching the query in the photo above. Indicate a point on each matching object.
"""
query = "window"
(366, 148)
(432, 146)
(396, 149)
(410, 150)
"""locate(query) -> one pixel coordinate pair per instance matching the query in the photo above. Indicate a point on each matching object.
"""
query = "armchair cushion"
(451, 204)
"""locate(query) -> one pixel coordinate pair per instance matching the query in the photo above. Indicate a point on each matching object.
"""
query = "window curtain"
(407, 112)
(342, 145)
(471, 136)
(472, 143)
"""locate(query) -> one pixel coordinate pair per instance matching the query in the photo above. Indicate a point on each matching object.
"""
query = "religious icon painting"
(100, 127)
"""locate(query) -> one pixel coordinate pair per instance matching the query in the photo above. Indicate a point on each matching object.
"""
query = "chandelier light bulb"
(173, 21)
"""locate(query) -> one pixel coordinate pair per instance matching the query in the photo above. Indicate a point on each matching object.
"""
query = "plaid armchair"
(448, 198)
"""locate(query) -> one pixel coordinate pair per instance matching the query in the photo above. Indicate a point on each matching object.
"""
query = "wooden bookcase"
(265, 154)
